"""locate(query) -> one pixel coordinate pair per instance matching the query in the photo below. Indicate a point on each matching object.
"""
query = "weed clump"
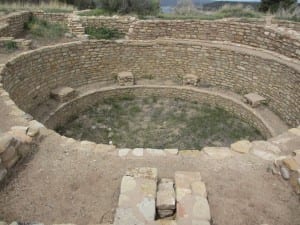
(44, 29)
(103, 33)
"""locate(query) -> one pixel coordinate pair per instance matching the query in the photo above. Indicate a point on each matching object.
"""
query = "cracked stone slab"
(218, 152)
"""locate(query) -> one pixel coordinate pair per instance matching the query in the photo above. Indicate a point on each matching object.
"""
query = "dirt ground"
(64, 185)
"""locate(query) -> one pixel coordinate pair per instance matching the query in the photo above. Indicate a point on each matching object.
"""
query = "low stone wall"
(237, 32)
(287, 24)
(13, 24)
(61, 18)
(116, 22)
(75, 107)
(30, 77)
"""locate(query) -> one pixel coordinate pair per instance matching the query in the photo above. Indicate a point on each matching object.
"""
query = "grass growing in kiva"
(103, 33)
(158, 123)
(45, 30)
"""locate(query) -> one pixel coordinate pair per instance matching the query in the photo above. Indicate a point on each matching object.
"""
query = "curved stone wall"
(82, 103)
(250, 34)
(30, 77)
(13, 24)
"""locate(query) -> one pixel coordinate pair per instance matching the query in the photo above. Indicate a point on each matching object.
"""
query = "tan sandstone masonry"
(13, 24)
(61, 18)
(31, 76)
(116, 22)
(237, 32)
(67, 111)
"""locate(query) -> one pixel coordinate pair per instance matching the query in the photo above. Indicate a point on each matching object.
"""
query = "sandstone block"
(189, 153)
(241, 146)
(125, 79)
(190, 79)
(165, 200)
(291, 164)
(63, 94)
(254, 99)
(295, 131)
(172, 151)
(155, 152)
(123, 152)
(138, 152)
(217, 152)
(165, 213)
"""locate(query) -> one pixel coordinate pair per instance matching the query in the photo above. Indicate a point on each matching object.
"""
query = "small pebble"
(285, 173)
(110, 142)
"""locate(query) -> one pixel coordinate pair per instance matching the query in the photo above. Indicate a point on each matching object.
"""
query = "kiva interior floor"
(161, 123)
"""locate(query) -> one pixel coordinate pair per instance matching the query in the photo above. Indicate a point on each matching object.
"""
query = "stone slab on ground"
(242, 146)
(217, 152)
(192, 205)
(165, 199)
(63, 94)
(137, 197)
(254, 99)
(265, 150)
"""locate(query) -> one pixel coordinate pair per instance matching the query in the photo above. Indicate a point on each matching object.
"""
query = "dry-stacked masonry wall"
(287, 24)
(61, 18)
(30, 77)
(82, 103)
(120, 23)
(247, 34)
(12, 25)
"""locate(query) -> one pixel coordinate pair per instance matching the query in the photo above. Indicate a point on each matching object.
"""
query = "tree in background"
(275, 5)
(141, 7)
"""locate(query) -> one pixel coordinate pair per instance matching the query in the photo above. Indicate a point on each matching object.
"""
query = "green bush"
(44, 29)
(10, 45)
(274, 5)
(103, 33)
(141, 7)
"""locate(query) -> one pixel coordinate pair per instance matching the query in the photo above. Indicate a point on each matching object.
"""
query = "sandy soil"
(64, 185)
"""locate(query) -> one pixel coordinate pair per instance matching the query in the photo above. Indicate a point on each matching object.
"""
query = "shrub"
(292, 14)
(10, 45)
(275, 5)
(141, 7)
(103, 33)
(44, 29)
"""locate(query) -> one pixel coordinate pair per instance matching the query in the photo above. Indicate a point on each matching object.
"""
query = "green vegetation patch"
(227, 11)
(103, 33)
(158, 123)
(44, 29)
(10, 45)
(95, 12)
(51, 7)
